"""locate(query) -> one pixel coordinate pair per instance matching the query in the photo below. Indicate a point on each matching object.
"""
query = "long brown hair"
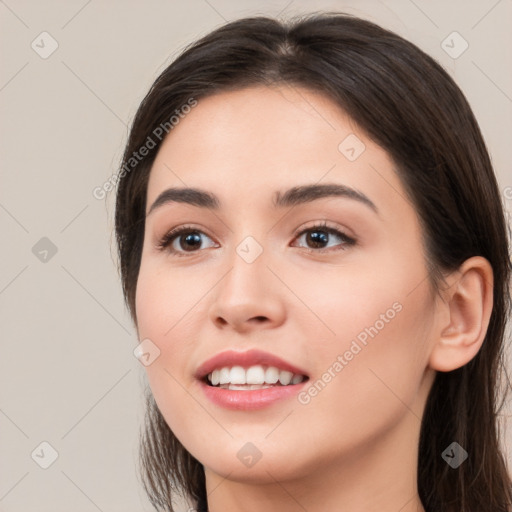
(403, 100)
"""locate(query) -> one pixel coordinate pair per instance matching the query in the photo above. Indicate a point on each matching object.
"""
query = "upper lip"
(245, 359)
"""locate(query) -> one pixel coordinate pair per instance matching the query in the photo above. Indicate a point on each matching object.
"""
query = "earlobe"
(467, 307)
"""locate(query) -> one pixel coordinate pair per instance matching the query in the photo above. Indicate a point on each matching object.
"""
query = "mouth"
(249, 380)
(254, 377)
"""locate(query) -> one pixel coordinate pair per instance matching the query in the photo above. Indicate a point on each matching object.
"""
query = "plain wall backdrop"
(72, 76)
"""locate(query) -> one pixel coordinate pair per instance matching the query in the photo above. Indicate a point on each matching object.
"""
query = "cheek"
(368, 341)
(159, 304)
(371, 371)
(164, 299)
(170, 305)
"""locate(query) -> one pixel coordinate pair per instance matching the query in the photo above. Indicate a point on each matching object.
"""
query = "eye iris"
(191, 238)
(317, 237)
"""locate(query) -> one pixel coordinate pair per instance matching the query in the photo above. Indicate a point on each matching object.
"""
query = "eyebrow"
(291, 197)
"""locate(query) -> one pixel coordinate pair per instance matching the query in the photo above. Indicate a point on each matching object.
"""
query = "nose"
(248, 297)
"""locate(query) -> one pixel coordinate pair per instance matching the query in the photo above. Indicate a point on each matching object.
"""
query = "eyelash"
(170, 236)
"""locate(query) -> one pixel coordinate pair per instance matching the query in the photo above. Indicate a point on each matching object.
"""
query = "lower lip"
(251, 399)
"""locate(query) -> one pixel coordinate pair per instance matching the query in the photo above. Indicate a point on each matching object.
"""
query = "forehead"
(247, 144)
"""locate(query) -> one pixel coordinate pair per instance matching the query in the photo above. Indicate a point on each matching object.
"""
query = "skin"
(353, 447)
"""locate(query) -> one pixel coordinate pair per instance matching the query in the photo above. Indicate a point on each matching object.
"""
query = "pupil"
(318, 237)
(192, 238)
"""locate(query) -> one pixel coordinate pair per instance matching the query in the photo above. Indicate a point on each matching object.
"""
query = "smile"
(254, 377)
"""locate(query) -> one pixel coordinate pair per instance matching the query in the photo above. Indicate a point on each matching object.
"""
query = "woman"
(314, 253)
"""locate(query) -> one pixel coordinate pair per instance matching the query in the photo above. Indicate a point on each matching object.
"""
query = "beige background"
(68, 374)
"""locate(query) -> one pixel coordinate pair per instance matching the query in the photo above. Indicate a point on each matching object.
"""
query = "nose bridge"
(246, 279)
(246, 292)
(249, 254)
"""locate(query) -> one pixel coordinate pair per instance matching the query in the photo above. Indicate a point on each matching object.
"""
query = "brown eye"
(189, 241)
(182, 240)
(317, 236)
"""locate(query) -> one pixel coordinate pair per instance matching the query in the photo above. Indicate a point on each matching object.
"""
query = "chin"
(267, 469)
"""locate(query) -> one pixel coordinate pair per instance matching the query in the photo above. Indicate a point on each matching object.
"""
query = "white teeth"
(245, 386)
(271, 375)
(297, 379)
(253, 377)
(224, 376)
(285, 378)
(237, 375)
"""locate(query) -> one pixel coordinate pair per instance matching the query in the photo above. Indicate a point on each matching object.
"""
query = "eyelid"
(321, 224)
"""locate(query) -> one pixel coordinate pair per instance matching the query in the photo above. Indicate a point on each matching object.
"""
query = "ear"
(465, 314)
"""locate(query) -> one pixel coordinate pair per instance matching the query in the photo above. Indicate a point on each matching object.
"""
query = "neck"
(381, 478)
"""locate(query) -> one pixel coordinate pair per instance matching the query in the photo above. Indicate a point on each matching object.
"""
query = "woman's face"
(347, 303)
